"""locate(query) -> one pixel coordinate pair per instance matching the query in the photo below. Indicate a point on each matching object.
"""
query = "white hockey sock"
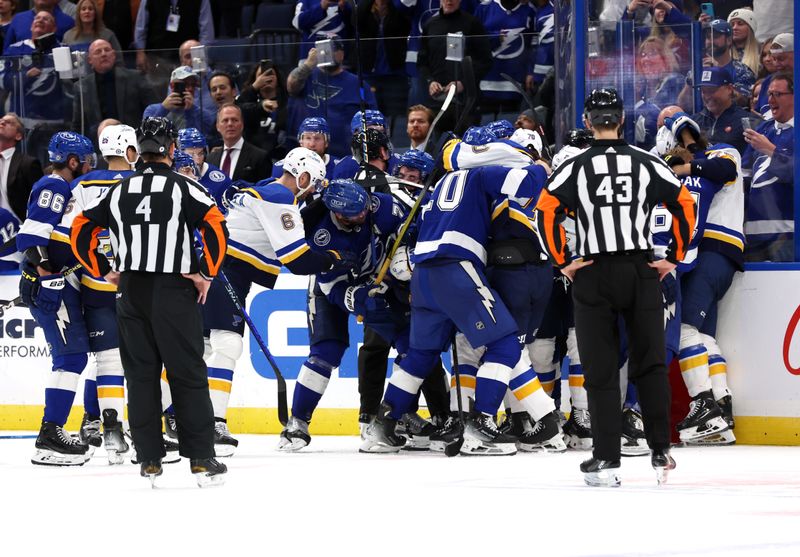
(717, 368)
(541, 352)
(110, 382)
(527, 389)
(469, 360)
(693, 358)
(577, 392)
(226, 348)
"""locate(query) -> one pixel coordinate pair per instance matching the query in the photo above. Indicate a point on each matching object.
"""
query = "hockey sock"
(493, 374)
(631, 398)
(469, 359)
(693, 358)
(90, 403)
(312, 381)
(61, 386)
(577, 391)
(541, 352)
(110, 381)
(528, 391)
(226, 348)
(406, 380)
(166, 394)
(717, 367)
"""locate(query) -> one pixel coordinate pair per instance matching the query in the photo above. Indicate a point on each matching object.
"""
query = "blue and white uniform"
(9, 226)
(317, 24)
(544, 51)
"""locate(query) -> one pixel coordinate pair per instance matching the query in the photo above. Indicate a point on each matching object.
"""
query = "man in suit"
(18, 171)
(238, 159)
(109, 91)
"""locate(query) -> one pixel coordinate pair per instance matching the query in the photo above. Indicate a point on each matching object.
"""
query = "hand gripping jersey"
(458, 155)
(455, 222)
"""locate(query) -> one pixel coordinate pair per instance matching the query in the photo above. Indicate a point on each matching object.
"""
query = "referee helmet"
(603, 107)
(155, 135)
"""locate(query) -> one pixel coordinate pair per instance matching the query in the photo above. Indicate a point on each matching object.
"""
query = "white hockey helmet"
(528, 139)
(566, 152)
(665, 141)
(115, 140)
(300, 160)
(401, 266)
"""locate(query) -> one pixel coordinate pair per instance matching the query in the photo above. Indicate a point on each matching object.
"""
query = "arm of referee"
(84, 237)
(203, 215)
(668, 189)
(550, 213)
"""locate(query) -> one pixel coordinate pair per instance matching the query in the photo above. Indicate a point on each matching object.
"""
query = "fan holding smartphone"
(178, 105)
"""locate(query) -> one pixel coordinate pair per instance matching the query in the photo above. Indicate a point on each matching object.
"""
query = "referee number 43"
(622, 193)
(144, 208)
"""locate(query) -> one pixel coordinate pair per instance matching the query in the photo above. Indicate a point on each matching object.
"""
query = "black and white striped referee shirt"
(612, 188)
(151, 217)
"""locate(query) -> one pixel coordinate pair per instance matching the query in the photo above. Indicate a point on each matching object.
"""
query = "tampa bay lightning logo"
(374, 203)
(216, 176)
(322, 237)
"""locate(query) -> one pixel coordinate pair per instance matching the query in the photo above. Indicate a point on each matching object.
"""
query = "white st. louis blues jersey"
(458, 155)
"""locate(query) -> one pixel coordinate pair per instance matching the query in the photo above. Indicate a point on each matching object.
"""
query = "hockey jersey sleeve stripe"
(84, 240)
(257, 263)
(550, 230)
(286, 259)
(450, 155)
(724, 237)
(290, 248)
(454, 238)
(503, 206)
(59, 236)
(215, 239)
(97, 284)
(252, 192)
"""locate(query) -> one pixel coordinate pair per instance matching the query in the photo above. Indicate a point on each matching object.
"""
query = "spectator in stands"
(321, 19)
(745, 44)
(20, 27)
(754, 97)
(769, 223)
(238, 159)
(264, 107)
(165, 24)
(109, 91)
(782, 53)
(7, 9)
(202, 96)
(767, 62)
(89, 27)
(178, 106)
(420, 118)
(543, 55)
(721, 118)
(332, 93)
(657, 69)
(774, 17)
(384, 30)
(668, 22)
(18, 171)
(438, 72)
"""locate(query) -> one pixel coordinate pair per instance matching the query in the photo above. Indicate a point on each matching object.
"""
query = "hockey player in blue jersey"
(313, 134)
(192, 142)
(361, 223)
(449, 292)
(53, 299)
(414, 166)
(9, 226)
(348, 167)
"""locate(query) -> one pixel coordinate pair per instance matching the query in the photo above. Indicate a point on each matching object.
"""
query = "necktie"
(226, 162)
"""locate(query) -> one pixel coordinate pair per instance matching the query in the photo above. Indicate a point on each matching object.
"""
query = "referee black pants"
(160, 326)
(624, 286)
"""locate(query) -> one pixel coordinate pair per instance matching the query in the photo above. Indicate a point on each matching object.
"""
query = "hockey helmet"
(300, 160)
(420, 160)
(374, 118)
(603, 107)
(182, 160)
(529, 139)
(346, 198)
(665, 141)
(579, 137)
(155, 135)
(65, 144)
(315, 124)
(191, 137)
(477, 135)
(501, 129)
(375, 139)
(115, 140)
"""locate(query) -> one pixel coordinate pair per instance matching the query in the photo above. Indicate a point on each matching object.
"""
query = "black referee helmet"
(603, 107)
(155, 136)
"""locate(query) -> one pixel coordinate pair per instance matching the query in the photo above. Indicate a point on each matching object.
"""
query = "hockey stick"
(529, 101)
(454, 448)
(283, 407)
(451, 92)
(362, 95)
(470, 95)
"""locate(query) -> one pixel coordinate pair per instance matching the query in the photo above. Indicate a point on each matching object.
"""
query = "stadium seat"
(274, 16)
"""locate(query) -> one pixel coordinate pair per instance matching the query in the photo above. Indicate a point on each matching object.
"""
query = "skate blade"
(373, 447)
(639, 448)
(290, 446)
(45, 457)
(661, 475)
(555, 444)
(476, 447)
(224, 451)
(711, 427)
(115, 457)
(204, 480)
(721, 439)
(578, 443)
(417, 444)
(603, 478)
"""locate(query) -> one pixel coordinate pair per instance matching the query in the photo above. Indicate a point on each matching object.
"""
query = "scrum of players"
(469, 275)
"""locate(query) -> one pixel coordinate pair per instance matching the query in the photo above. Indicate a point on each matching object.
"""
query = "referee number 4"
(624, 186)
(144, 208)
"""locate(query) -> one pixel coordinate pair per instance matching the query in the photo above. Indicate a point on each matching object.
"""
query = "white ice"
(329, 500)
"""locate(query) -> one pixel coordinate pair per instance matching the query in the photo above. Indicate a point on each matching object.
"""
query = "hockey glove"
(43, 292)
(343, 260)
(358, 301)
(681, 121)
(669, 289)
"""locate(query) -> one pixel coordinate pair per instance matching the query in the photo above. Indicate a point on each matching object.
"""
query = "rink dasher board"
(757, 332)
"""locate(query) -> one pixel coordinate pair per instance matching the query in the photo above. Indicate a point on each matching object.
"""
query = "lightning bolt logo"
(62, 321)
(483, 290)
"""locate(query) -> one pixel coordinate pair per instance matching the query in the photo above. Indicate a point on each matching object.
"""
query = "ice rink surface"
(328, 500)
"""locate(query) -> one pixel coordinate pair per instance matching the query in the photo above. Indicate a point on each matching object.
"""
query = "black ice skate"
(56, 447)
(543, 435)
(417, 431)
(381, 435)
(170, 447)
(633, 440)
(704, 418)
(151, 469)
(482, 437)
(89, 434)
(208, 471)
(578, 430)
(601, 473)
(723, 437)
(224, 443)
(448, 437)
(294, 436)
(113, 437)
(662, 463)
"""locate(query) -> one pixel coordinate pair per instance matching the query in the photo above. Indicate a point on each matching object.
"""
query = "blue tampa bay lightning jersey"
(215, 181)
(455, 223)
(46, 205)
(9, 226)
(347, 167)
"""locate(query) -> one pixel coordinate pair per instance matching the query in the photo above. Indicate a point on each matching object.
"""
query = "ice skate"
(151, 469)
(113, 437)
(633, 442)
(224, 443)
(481, 437)
(578, 430)
(601, 473)
(170, 447)
(89, 434)
(363, 421)
(726, 405)
(208, 471)
(543, 435)
(294, 436)
(381, 434)
(704, 418)
(449, 437)
(417, 431)
(170, 426)
(56, 447)
(662, 463)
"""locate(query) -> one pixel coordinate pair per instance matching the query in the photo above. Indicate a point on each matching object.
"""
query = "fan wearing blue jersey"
(319, 19)
(313, 134)
(348, 167)
(193, 143)
(53, 299)
(543, 51)
(449, 293)
(361, 223)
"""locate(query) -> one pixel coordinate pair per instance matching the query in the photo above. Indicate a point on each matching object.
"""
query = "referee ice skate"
(612, 188)
(152, 217)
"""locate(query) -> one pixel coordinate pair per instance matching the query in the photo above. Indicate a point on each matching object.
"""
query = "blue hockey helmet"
(346, 198)
(64, 144)
(420, 160)
(477, 135)
(500, 129)
(191, 137)
(315, 124)
(182, 160)
(373, 117)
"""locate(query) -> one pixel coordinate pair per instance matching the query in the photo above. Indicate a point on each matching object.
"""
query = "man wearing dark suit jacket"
(110, 91)
(18, 171)
(238, 159)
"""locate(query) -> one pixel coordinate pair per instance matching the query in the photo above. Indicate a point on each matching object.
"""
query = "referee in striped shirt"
(612, 188)
(152, 217)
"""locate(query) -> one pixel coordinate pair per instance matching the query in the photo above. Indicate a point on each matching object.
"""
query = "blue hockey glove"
(43, 292)
(343, 260)
(669, 289)
(358, 301)
(681, 121)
